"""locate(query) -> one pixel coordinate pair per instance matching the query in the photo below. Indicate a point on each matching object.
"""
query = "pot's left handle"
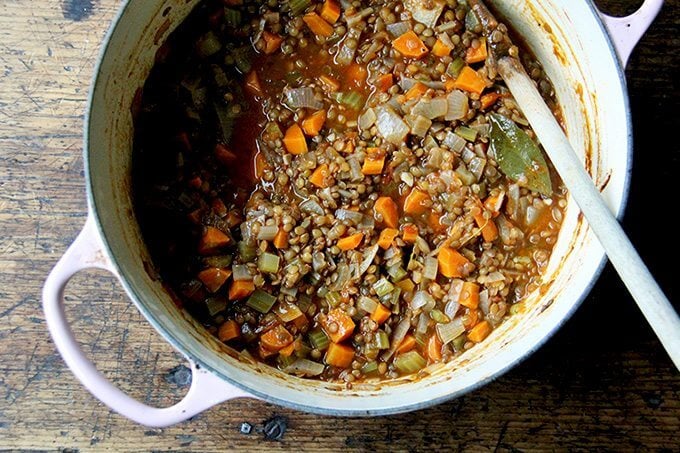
(627, 31)
(87, 252)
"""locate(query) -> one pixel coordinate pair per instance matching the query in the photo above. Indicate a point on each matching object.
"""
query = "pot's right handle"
(627, 31)
(87, 252)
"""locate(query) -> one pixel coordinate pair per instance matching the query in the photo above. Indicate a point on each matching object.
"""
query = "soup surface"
(343, 190)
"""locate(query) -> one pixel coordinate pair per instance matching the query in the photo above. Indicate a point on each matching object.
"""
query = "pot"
(582, 51)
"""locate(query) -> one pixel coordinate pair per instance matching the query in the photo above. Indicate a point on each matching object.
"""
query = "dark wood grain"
(602, 382)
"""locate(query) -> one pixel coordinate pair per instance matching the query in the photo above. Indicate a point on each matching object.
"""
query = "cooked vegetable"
(451, 263)
(318, 26)
(350, 242)
(410, 362)
(338, 325)
(228, 331)
(276, 338)
(241, 289)
(469, 80)
(294, 140)
(213, 278)
(410, 45)
(387, 236)
(268, 263)
(518, 156)
(339, 355)
(381, 314)
(386, 210)
(373, 162)
(313, 124)
(212, 241)
(272, 42)
(476, 54)
(330, 11)
(297, 7)
(416, 202)
(318, 339)
(480, 332)
(321, 176)
(261, 301)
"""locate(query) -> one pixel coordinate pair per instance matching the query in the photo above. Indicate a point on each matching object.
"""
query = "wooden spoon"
(640, 283)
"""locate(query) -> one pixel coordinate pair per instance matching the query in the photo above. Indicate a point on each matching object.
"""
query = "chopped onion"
(302, 97)
(477, 167)
(453, 295)
(431, 267)
(391, 126)
(346, 214)
(467, 155)
(422, 244)
(366, 223)
(367, 304)
(346, 53)
(532, 216)
(366, 119)
(369, 256)
(312, 207)
(431, 108)
(422, 299)
(354, 169)
(397, 337)
(484, 301)
(240, 272)
(423, 323)
(306, 367)
(435, 159)
(343, 277)
(267, 232)
(288, 312)
(292, 292)
(482, 129)
(513, 201)
(354, 19)
(427, 13)
(450, 331)
(419, 125)
(454, 142)
(458, 105)
(398, 28)
(406, 83)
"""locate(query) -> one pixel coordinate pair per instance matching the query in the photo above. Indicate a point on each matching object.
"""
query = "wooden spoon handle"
(640, 283)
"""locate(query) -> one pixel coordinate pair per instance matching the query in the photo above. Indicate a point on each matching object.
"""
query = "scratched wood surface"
(602, 382)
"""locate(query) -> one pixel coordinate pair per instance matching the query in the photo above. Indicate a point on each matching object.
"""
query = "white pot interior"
(570, 42)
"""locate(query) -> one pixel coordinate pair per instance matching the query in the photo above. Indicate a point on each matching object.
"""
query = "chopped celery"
(351, 99)
(382, 341)
(208, 45)
(466, 176)
(284, 361)
(439, 316)
(333, 298)
(396, 272)
(420, 339)
(451, 330)
(298, 6)
(383, 287)
(269, 263)
(242, 59)
(467, 133)
(455, 67)
(459, 342)
(409, 362)
(394, 300)
(246, 251)
(431, 267)
(302, 350)
(306, 367)
(304, 302)
(369, 368)
(261, 301)
(318, 339)
(232, 17)
(215, 305)
(222, 261)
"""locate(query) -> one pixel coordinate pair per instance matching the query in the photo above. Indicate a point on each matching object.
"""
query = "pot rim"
(269, 397)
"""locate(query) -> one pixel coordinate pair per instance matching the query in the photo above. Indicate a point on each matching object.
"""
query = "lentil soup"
(343, 190)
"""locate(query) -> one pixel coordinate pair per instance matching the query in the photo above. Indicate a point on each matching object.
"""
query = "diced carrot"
(281, 239)
(373, 162)
(229, 330)
(451, 262)
(470, 319)
(477, 55)
(288, 350)
(213, 278)
(416, 202)
(329, 83)
(224, 154)
(408, 343)
(384, 82)
(318, 26)
(434, 220)
(272, 42)
(356, 73)
(330, 11)
(480, 332)
(415, 91)
(440, 49)
(195, 216)
(276, 339)
(253, 84)
(449, 85)
(218, 207)
(388, 210)
(339, 355)
(240, 289)
(313, 123)
(488, 100)
(321, 176)
(410, 233)
(350, 242)
(410, 45)
(294, 140)
(406, 285)
(195, 182)
(233, 218)
(469, 295)
(349, 147)
(381, 314)
(345, 325)
(263, 352)
(434, 348)
(469, 80)
(494, 203)
(300, 321)
(387, 237)
(488, 226)
(212, 240)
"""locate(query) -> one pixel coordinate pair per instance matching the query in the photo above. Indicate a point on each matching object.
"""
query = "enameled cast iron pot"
(582, 51)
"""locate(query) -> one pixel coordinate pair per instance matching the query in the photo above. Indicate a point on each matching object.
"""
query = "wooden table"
(601, 382)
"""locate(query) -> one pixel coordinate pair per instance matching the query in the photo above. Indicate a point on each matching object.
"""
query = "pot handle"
(626, 32)
(88, 252)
